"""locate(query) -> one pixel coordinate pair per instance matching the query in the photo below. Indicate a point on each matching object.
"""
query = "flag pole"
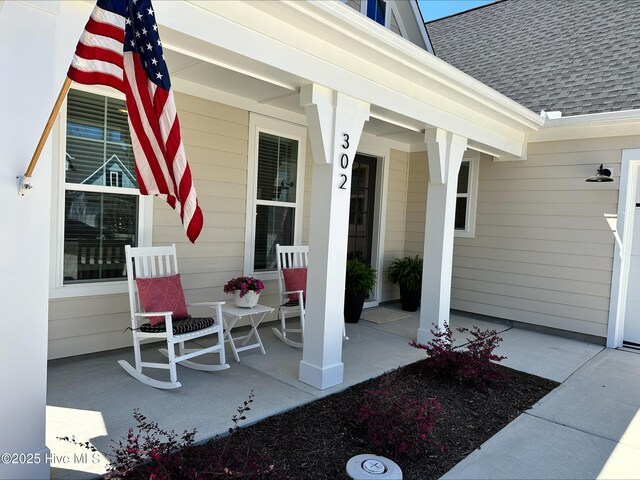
(25, 181)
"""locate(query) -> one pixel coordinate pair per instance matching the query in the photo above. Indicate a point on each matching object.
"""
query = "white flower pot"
(248, 300)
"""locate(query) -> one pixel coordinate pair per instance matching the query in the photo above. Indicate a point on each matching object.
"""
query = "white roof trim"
(592, 125)
(423, 30)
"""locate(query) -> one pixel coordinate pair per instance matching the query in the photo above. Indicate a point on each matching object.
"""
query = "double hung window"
(466, 197)
(101, 197)
(275, 192)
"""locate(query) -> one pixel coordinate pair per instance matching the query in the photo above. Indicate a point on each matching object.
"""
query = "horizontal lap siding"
(88, 324)
(416, 204)
(543, 252)
(216, 142)
(394, 237)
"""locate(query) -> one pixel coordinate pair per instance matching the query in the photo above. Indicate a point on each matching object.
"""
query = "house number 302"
(344, 161)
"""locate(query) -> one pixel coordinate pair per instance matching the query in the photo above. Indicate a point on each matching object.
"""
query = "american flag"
(120, 47)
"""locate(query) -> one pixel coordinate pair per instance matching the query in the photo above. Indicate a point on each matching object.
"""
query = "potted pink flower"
(245, 290)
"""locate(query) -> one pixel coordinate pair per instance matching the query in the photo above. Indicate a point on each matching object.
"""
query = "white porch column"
(335, 126)
(445, 151)
(27, 92)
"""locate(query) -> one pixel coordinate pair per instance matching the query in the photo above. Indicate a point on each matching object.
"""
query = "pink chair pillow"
(162, 294)
(295, 279)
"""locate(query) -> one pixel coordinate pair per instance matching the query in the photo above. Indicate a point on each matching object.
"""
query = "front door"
(361, 210)
(632, 312)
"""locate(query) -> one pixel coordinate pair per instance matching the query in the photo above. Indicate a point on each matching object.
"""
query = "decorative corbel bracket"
(331, 115)
(445, 150)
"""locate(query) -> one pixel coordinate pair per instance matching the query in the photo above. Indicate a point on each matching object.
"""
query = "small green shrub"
(407, 273)
(360, 277)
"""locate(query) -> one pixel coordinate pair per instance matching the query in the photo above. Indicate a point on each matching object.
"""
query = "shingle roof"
(576, 56)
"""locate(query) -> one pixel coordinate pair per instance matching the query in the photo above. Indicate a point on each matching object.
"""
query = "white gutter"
(593, 125)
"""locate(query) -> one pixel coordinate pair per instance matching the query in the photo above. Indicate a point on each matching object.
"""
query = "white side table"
(255, 314)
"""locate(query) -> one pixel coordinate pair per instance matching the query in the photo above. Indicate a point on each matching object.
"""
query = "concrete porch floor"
(92, 398)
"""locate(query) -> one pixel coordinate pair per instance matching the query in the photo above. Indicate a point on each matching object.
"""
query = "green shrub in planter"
(407, 273)
(360, 280)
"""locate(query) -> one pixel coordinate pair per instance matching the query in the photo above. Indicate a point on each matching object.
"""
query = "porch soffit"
(266, 51)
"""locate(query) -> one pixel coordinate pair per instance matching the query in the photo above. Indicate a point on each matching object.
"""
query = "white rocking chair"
(156, 262)
(288, 257)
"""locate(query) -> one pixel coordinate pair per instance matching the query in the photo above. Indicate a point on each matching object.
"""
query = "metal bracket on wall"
(24, 185)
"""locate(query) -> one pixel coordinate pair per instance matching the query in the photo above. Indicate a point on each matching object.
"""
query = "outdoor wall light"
(602, 175)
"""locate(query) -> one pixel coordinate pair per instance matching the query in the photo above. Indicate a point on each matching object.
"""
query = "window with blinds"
(462, 196)
(101, 191)
(276, 192)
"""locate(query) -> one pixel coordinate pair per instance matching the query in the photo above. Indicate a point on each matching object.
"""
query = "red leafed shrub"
(398, 426)
(472, 364)
(151, 452)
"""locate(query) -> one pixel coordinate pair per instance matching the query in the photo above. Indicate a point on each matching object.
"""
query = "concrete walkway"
(589, 427)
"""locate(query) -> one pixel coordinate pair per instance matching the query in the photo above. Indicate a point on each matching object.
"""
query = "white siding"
(543, 253)
(395, 227)
(416, 204)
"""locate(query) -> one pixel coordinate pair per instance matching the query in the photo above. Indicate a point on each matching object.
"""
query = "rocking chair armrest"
(300, 297)
(206, 304)
(168, 317)
(152, 314)
(292, 291)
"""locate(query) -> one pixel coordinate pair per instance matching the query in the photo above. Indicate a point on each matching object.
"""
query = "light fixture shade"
(602, 175)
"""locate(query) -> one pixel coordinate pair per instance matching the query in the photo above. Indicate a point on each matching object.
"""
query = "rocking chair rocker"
(154, 283)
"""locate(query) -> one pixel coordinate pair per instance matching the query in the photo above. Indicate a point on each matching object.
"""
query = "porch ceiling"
(261, 83)
(269, 86)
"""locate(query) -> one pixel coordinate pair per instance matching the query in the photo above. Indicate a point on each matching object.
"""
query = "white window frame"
(114, 175)
(145, 212)
(262, 124)
(387, 11)
(472, 196)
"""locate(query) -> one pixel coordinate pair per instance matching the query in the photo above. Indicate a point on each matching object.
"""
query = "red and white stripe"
(161, 163)
(98, 59)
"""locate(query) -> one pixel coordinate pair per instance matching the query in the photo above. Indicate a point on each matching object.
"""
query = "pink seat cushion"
(295, 279)
(162, 294)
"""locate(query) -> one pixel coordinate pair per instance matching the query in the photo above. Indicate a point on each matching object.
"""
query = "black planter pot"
(353, 307)
(410, 300)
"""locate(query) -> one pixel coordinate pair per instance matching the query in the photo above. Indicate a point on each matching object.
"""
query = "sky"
(432, 9)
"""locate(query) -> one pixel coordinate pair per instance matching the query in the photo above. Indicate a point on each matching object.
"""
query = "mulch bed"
(316, 440)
